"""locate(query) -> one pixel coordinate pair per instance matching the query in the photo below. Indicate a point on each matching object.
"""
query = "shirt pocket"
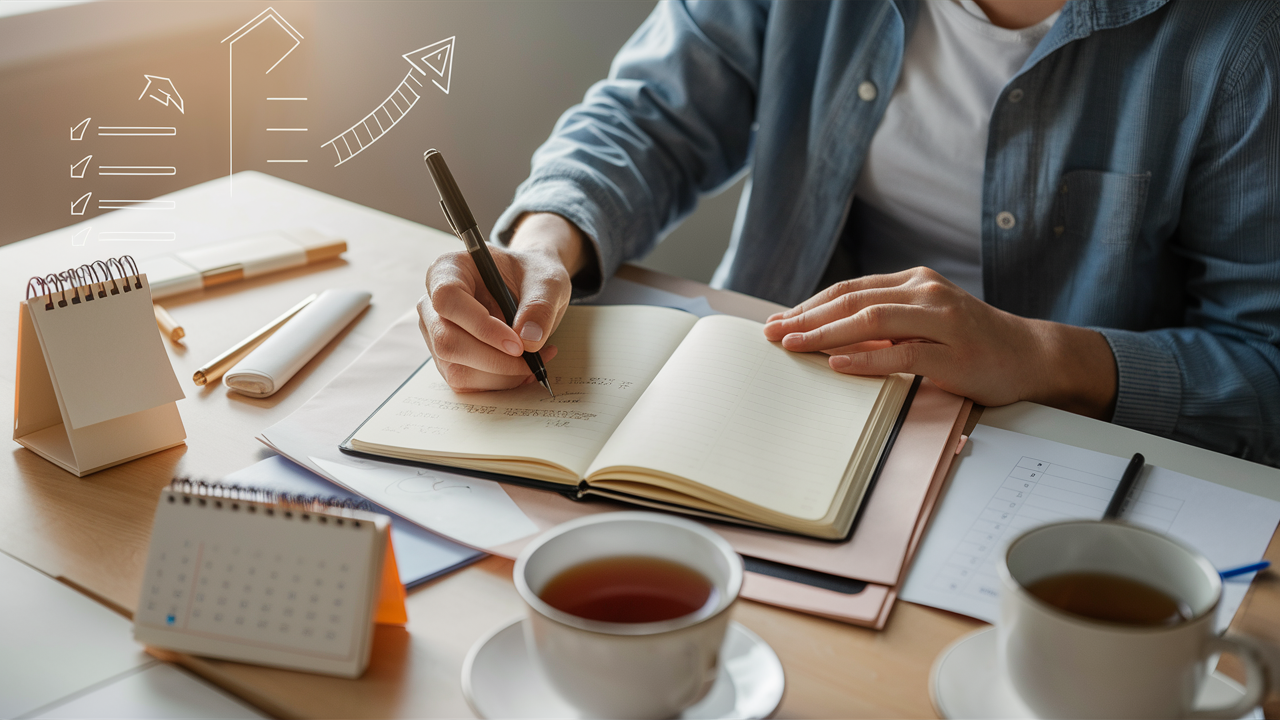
(1098, 222)
(1101, 207)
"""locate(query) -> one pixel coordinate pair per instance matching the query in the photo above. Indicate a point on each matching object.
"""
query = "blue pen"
(1244, 569)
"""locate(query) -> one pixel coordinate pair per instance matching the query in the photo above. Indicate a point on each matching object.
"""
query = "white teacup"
(1064, 665)
(628, 670)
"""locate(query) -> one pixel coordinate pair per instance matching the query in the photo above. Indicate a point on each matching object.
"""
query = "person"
(1075, 204)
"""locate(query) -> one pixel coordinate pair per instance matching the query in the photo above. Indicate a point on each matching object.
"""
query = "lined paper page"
(741, 415)
(608, 355)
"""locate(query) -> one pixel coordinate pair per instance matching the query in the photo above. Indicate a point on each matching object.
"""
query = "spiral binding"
(86, 282)
(205, 493)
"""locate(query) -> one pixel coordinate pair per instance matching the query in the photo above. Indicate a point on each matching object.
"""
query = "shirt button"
(867, 90)
(1015, 95)
(1006, 220)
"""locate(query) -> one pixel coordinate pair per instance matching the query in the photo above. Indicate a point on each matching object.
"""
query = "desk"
(93, 532)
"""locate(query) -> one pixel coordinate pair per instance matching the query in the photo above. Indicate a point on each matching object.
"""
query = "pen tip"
(547, 385)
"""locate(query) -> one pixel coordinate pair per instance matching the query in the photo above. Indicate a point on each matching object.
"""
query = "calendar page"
(262, 583)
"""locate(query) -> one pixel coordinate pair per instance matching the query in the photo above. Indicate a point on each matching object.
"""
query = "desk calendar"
(259, 577)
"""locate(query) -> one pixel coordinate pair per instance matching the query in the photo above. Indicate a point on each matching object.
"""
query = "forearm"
(551, 234)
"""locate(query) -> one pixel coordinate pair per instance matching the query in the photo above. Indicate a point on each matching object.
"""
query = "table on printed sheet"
(93, 532)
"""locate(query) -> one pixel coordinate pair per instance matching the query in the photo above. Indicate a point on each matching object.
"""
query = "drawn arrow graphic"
(164, 92)
(77, 170)
(77, 132)
(430, 62)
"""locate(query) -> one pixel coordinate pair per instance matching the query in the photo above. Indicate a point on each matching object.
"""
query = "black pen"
(459, 217)
(1125, 487)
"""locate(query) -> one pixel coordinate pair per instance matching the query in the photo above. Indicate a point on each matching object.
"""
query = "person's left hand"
(916, 321)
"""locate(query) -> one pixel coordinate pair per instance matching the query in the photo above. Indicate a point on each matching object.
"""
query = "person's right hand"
(472, 345)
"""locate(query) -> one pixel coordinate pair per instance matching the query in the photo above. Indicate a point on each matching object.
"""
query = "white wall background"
(518, 66)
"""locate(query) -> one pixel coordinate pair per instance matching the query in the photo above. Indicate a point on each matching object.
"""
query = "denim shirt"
(1132, 179)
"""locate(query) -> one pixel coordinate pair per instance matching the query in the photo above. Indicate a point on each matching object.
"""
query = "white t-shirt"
(918, 200)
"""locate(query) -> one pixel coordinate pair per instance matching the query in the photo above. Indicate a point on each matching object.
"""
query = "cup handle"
(1255, 672)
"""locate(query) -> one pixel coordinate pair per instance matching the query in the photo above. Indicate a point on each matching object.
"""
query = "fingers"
(839, 307)
(919, 358)
(452, 344)
(877, 322)
(544, 295)
(463, 379)
(452, 289)
(844, 287)
(861, 347)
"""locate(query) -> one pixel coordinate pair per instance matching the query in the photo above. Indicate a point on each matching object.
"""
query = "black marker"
(1125, 487)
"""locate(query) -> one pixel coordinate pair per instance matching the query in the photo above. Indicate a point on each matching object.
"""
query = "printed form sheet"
(1010, 482)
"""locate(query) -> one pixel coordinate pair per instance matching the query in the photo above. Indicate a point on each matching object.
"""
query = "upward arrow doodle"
(430, 62)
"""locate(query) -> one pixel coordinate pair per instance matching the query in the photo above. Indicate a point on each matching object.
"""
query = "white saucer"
(965, 683)
(500, 679)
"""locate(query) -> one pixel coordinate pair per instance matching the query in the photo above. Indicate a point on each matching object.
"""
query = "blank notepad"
(94, 384)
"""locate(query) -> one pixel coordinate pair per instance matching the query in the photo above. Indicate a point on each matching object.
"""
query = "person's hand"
(916, 321)
(472, 345)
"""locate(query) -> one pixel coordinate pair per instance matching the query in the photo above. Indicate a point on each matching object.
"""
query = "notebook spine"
(86, 283)
(213, 491)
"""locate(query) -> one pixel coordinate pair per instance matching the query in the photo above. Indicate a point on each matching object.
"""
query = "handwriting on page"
(606, 357)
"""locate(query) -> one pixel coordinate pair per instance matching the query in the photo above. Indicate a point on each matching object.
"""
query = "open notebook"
(657, 407)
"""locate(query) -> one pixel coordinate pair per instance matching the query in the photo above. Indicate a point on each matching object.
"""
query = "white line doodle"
(129, 131)
(265, 15)
(82, 236)
(164, 87)
(78, 207)
(137, 170)
(438, 58)
(77, 170)
(137, 204)
(136, 236)
(77, 132)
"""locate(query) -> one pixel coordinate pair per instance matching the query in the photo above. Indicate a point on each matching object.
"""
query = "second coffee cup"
(628, 610)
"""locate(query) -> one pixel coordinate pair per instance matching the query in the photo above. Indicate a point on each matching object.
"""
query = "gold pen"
(218, 366)
(168, 325)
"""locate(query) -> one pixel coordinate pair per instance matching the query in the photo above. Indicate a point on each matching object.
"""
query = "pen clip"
(449, 220)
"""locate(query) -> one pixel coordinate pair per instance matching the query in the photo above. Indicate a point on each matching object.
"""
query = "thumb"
(542, 298)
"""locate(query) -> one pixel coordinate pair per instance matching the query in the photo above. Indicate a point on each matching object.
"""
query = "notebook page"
(106, 356)
(741, 415)
(607, 356)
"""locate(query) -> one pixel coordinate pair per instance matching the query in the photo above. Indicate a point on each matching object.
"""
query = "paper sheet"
(1009, 482)
(420, 554)
(473, 511)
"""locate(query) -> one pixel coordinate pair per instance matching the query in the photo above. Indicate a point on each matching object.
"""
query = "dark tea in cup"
(629, 589)
(1110, 598)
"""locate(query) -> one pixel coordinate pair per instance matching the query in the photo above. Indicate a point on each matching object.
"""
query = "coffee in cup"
(1110, 620)
(627, 611)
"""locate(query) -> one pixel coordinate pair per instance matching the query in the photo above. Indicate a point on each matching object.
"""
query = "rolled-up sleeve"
(672, 121)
